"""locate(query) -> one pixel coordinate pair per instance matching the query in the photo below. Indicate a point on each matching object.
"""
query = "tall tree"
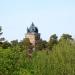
(1, 39)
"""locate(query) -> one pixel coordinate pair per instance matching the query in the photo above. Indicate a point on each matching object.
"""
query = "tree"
(14, 43)
(1, 39)
(53, 40)
(6, 45)
(25, 44)
(41, 44)
(66, 37)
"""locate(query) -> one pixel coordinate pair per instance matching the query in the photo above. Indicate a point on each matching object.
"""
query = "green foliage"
(25, 44)
(6, 45)
(66, 37)
(14, 43)
(41, 44)
(0, 30)
(53, 41)
(1, 39)
(59, 61)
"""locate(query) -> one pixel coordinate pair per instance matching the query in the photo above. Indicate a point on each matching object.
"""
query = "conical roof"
(32, 28)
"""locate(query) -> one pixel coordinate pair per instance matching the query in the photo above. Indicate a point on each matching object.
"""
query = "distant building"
(32, 34)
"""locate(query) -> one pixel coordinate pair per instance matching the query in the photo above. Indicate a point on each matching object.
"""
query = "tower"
(32, 34)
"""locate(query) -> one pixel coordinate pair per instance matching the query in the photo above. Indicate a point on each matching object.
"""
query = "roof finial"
(32, 24)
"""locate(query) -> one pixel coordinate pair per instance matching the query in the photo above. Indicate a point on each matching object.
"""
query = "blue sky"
(50, 16)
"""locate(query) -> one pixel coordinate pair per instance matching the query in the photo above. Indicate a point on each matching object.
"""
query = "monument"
(32, 34)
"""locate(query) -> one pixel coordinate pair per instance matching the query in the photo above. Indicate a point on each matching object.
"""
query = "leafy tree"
(53, 40)
(14, 43)
(41, 44)
(44, 43)
(66, 37)
(6, 45)
(25, 44)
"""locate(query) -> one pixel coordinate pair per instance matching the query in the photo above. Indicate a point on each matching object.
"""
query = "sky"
(50, 16)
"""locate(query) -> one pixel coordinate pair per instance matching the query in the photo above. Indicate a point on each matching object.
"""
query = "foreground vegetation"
(59, 61)
(55, 57)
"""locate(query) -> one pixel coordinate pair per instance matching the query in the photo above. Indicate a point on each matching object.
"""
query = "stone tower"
(32, 34)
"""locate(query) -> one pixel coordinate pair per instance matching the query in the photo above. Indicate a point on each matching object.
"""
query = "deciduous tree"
(53, 40)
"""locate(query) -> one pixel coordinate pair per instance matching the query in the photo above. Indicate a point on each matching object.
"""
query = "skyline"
(50, 16)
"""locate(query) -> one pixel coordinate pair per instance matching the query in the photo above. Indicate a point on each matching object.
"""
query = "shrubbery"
(59, 61)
